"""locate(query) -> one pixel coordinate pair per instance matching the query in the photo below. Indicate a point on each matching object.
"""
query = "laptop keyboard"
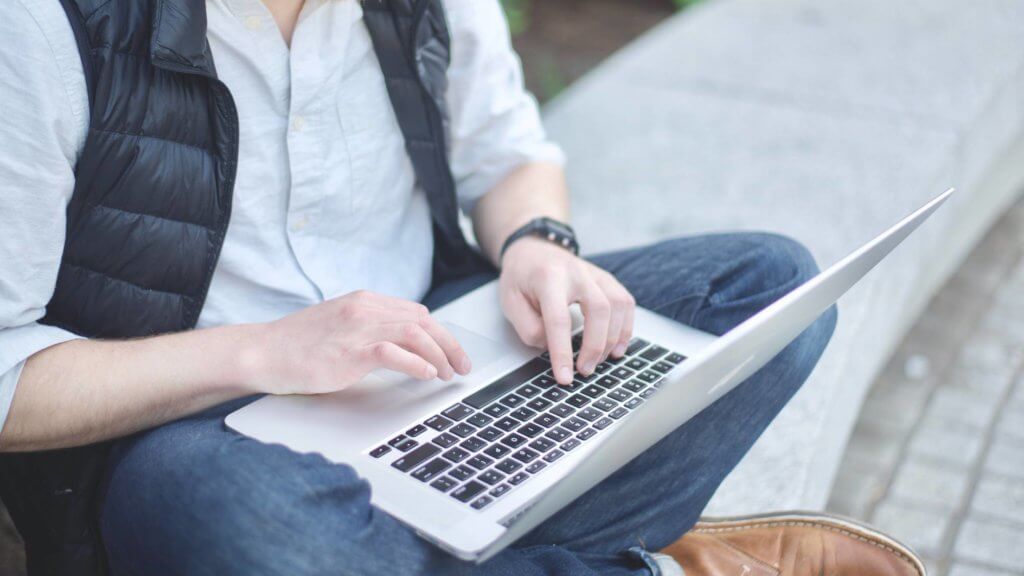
(504, 434)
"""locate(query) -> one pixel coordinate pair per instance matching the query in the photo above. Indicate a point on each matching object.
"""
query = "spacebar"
(499, 387)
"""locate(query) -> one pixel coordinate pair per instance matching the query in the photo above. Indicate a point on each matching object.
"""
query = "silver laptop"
(472, 465)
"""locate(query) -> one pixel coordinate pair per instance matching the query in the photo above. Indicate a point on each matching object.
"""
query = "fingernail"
(619, 350)
(565, 374)
(447, 374)
(589, 367)
(431, 372)
(465, 365)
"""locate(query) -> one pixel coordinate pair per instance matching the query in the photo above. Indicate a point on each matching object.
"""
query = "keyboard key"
(587, 434)
(653, 353)
(380, 451)
(636, 364)
(525, 455)
(542, 444)
(430, 470)
(544, 381)
(531, 430)
(491, 477)
(619, 395)
(557, 434)
(657, 383)
(536, 467)
(519, 478)
(622, 373)
(461, 473)
(445, 440)
(438, 422)
(546, 420)
(456, 455)
(512, 400)
(456, 412)
(463, 430)
(589, 414)
(397, 440)
(468, 491)
(635, 345)
(561, 410)
(618, 412)
(523, 414)
(489, 434)
(500, 490)
(528, 391)
(481, 502)
(415, 458)
(577, 400)
(574, 424)
(603, 423)
(507, 423)
(508, 466)
(416, 430)
(674, 358)
(608, 381)
(634, 386)
(663, 367)
(648, 376)
(473, 444)
(603, 367)
(495, 410)
(555, 394)
(538, 404)
(409, 444)
(443, 484)
(480, 420)
(497, 450)
(513, 440)
(553, 455)
(569, 444)
(506, 383)
(647, 393)
(585, 379)
(605, 404)
(593, 391)
(480, 462)
(633, 403)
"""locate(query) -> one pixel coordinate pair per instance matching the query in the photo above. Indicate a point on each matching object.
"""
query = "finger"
(457, 357)
(596, 316)
(412, 337)
(525, 319)
(554, 310)
(393, 357)
(618, 316)
(626, 332)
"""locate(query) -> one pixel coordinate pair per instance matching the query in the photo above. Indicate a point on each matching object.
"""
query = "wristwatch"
(547, 228)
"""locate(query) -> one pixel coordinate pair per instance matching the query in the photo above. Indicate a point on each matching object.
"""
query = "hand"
(539, 281)
(330, 346)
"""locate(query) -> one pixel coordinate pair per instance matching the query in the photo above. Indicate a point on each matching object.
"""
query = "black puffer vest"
(152, 202)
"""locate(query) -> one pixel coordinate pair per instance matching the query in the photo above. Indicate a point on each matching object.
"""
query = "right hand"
(330, 346)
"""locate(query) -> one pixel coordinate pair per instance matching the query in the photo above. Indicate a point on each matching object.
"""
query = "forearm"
(530, 191)
(85, 391)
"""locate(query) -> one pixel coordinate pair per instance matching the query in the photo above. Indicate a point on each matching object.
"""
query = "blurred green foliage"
(680, 4)
(518, 14)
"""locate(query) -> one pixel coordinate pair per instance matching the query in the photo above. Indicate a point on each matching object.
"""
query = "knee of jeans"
(765, 264)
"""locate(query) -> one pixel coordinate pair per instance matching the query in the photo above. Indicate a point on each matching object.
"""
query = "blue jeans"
(192, 497)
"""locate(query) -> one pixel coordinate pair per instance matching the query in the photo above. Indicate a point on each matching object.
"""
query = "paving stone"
(1006, 457)
(870, 449)
(991, 381)
(990, 543)
(952, 443)
(1000, 497)
(1011, 423)
(988, 352)
(899, 403)
(966, 569)
(935, 485)
(963, 405)
(855, 493)
(921, 529)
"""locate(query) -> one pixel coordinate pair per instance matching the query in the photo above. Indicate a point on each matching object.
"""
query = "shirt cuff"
(16, 346)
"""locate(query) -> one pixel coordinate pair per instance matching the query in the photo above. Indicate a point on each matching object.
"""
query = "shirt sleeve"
(495, 122)
(41, 131)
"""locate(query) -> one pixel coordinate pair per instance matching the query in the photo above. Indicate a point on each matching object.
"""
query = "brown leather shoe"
(791, 544)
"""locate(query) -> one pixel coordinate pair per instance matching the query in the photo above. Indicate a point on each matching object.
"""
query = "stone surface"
(824, 120)
(933, 485)
(922, 529)
(1001, 498)
(964, 569)
(992, 544)
(1006, 455)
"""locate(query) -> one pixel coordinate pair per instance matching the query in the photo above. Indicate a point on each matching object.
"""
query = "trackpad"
(482, 351)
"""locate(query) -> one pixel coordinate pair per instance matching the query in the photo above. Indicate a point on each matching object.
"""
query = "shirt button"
(298, 123)
(253, 22)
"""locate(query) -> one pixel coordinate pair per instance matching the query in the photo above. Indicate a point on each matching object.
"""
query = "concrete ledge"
(825, 120)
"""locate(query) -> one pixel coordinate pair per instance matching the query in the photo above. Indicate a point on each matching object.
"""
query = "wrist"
(545, 229)
(247, 363)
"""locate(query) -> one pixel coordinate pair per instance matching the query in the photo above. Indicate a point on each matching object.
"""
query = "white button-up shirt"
(325, 199)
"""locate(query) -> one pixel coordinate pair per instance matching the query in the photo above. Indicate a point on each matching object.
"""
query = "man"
(132, 312)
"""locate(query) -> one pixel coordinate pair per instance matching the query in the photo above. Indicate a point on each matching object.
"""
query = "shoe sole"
(846, 526)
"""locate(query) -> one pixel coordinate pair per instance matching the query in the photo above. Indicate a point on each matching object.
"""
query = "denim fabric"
(192, 497)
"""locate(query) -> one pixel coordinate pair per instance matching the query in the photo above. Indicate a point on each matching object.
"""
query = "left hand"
(540, 280)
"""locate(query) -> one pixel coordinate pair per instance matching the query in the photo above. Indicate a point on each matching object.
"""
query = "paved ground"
(937, 457)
